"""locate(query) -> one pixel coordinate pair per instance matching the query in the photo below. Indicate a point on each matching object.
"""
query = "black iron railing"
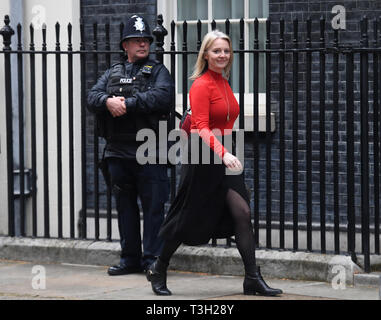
(305, 80)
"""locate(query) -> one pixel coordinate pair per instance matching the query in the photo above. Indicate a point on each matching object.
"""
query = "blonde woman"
(210, 203)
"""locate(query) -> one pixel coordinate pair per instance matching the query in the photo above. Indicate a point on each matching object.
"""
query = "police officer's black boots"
(157, 274)
(254, 284)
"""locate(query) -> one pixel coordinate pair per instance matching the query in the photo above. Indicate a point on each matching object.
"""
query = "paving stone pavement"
(20, 280)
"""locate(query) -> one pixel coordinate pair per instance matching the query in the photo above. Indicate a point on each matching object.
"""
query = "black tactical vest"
(120, 83)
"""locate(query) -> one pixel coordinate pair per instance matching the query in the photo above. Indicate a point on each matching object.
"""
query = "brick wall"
(301, 10)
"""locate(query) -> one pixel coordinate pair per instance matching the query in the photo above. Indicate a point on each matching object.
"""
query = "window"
(219, 10)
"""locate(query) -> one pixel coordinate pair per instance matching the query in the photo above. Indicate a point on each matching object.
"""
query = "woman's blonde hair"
(202, 64)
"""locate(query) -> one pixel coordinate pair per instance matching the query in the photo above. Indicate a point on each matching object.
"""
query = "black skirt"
(199, 211)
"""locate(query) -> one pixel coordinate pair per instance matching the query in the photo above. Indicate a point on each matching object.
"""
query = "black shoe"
(157, 275)
(121, 269)
(254, 284)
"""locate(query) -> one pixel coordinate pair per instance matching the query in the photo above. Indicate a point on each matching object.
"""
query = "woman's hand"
(232, 162)
(116, 106)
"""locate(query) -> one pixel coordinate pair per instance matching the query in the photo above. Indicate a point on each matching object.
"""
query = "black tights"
(243, 231)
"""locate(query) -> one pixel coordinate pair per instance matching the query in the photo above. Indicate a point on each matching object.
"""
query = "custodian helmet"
(136, 27)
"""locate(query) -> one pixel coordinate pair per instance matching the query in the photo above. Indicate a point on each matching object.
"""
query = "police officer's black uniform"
(147, 87)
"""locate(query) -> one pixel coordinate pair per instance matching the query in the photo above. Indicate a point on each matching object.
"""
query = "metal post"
(322, 138)
(71, 130)
(268, 136)
(281, 136)
(256, 130)
(59, 130)
(20, 84)
(336, 144)
(185, 66)
(33, 130)
(364, 104)
(241, 75)
(172, 120)
(45, 133)
(159, 32)
(309, 134)
(376, 137)
(96, 141)
(7, 32)
(108, 188)
(83, 214)
(295, 133)
(350, 154)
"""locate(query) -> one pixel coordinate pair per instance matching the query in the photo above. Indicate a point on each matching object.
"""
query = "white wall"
(48, 12)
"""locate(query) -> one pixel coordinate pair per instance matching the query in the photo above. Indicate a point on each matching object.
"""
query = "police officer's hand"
(116, 106)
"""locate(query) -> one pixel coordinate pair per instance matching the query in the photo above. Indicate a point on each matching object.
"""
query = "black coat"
(144, 108)
(156, 100)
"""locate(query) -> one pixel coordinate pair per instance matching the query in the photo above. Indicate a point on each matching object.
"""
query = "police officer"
(132, 95)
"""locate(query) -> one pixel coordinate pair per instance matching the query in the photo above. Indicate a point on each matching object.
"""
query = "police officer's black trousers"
(150, 183)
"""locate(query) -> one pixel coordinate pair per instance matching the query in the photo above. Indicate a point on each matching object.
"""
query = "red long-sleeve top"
(210, 98)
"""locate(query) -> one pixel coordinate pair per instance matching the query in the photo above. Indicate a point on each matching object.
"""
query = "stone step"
(368, 279)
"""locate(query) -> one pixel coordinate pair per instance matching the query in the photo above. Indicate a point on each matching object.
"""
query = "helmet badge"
(139, 24)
